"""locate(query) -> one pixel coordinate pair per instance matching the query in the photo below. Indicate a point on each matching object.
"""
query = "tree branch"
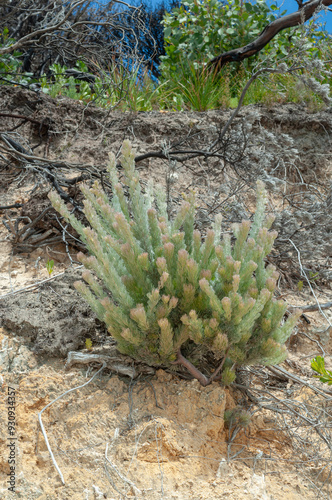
(269, 32)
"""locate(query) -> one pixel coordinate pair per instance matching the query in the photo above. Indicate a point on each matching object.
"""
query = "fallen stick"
(113, 360)
(47, 406)
(312, 307)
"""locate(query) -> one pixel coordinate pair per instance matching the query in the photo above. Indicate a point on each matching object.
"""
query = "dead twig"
(308, 281)
(34, 285)
(22, 117)
(47, 406)
(15, 205)
(312, 307)
(115, 468)
(279, 371)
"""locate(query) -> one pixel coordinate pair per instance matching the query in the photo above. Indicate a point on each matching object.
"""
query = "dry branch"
(113, 360)
(22, 117)
(312, 307)
(281, 372)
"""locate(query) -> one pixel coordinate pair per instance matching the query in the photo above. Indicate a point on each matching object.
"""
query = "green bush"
(199, 30)
(161, 289)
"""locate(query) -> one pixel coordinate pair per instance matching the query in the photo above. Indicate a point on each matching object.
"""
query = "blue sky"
(291, 6)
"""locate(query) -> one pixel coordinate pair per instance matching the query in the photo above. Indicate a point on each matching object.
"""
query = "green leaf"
(318, 364)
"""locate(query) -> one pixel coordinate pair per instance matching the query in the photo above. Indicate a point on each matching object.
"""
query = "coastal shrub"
(162, 288)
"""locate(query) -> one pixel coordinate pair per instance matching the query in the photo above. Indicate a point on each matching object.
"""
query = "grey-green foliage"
(159, 286)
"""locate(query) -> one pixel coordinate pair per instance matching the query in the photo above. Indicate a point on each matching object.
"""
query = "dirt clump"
(53, 320)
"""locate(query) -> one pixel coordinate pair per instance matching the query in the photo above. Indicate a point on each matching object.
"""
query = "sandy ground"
(156, 436)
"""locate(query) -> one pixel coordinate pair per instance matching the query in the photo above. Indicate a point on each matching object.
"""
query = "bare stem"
(218, 370)
(181, 360)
